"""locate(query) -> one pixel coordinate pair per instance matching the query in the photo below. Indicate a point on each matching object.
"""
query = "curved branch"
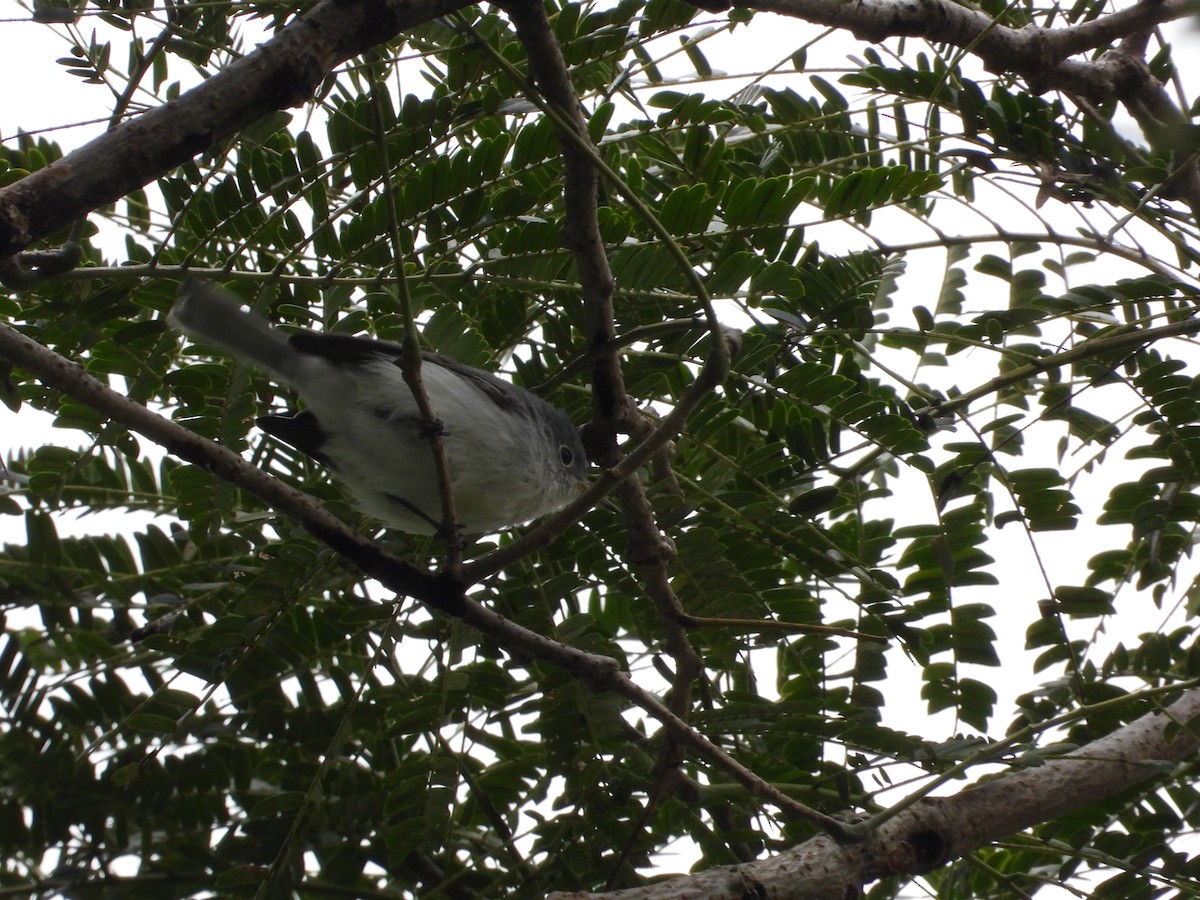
(1025, 51)
(581, 230)
(649, 550)
(1039, 55)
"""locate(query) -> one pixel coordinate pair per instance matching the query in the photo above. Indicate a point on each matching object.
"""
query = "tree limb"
(1039, 55)
(440, 592)
(1024, 51)
(939, 829)
(283, 72)
(394, 573)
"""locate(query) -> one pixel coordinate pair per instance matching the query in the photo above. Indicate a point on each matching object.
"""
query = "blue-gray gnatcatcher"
(511, 456)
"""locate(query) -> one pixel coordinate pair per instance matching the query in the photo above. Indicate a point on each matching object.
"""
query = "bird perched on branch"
(510, 455)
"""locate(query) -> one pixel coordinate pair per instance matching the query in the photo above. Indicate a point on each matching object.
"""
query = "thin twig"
(777, 625)
(410, 362)
(1120, 342)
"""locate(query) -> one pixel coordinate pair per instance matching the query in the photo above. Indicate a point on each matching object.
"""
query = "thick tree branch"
(283, 72)
(1039, 55)
(1024, 51)
(939, 829)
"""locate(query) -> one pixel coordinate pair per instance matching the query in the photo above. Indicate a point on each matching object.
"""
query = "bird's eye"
(566, 455)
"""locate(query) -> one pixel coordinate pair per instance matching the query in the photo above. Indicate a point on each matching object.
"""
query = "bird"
(511, 456)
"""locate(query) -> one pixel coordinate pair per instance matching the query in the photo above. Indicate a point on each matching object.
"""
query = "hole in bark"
(929, 848)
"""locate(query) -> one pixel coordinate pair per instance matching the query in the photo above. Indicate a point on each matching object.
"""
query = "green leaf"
(152, 723)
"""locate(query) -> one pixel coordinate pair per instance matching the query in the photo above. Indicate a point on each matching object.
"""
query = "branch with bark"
(933, 831)
(284, 72)
(1042, 56)
(439, 591)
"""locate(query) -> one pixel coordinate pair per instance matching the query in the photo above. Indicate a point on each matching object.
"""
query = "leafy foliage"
(211, 700)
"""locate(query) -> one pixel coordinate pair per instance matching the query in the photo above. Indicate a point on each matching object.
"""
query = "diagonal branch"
(1109, 343)
(285, 71)
(600, 673)
(63, 375)
(939, 829)
(410, 362)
